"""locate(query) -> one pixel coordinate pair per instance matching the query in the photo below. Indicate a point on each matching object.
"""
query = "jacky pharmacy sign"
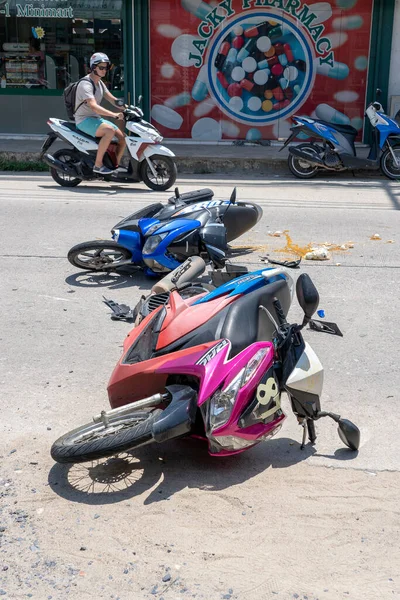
(302, 12)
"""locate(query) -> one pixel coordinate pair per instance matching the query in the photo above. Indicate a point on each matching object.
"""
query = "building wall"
(244, 69)
(394, 77)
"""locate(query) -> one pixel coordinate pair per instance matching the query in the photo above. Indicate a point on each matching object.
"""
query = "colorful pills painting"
(277, 64)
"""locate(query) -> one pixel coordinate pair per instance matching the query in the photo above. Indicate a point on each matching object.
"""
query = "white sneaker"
(102, 170)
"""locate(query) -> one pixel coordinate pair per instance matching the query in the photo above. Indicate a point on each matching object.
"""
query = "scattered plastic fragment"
(376, 236)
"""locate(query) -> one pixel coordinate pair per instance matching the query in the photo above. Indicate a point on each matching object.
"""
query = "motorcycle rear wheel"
(94, 440)
(300, 168)
(166, 170)
(92, 256)
(67, 156)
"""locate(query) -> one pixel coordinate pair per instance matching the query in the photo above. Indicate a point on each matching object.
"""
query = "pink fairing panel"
(214, 370)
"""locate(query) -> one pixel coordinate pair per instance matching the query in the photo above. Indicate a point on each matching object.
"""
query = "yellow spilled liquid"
(300, 251)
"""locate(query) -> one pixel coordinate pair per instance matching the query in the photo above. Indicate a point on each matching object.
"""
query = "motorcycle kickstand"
(308, 428)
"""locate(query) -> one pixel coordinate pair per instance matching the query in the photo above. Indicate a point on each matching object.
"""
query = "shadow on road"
(98, 189)
(111, 281)
(172, 468)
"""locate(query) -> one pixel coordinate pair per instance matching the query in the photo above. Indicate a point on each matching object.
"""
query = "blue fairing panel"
(174, 229)
(242, 285)
(385, 131)
(133, 242)
(146, 223)
(182, 225)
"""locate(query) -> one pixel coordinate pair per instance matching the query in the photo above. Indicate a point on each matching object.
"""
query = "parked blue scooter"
(337, 151)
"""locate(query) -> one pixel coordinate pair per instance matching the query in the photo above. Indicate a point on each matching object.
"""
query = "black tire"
(100, 260)
(123, 434)
(296, 166)
(65, 180)
(388, 165)
(165, 167)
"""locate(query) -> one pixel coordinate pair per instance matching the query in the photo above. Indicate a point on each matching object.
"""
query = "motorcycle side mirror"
(177, 195)
(307, 296)
(349, 434)
(140, 100)
(233, 196)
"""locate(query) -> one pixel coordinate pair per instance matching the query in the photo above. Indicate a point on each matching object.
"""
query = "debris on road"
(318, 253)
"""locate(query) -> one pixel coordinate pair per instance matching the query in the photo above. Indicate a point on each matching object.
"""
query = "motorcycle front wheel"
(98, 255)
(388, 165)
(95, 440)
(166, 173)
(69, 157)
(299, 167)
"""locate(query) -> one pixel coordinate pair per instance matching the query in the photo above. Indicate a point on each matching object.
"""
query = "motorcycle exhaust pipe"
(187, 272)
(313, 160)
(155, 400)
(54, 163)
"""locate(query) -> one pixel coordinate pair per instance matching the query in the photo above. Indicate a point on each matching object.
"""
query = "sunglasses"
(102, 68)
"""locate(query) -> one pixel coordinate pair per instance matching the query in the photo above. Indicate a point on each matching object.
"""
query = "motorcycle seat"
(72, 126)
(192, 197)
(255, 325)
(346, 129)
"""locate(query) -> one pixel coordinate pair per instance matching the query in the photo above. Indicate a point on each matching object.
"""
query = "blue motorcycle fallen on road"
(332, 147)
(158, 238)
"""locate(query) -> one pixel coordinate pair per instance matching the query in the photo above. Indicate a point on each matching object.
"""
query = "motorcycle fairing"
(387, 128)
(174, 230)
(132, 241)
(132, 382)
(241, 285)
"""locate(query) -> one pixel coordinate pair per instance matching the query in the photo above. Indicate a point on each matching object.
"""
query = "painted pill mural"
(240, 69)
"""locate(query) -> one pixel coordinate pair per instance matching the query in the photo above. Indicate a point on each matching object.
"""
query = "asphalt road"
(59, 346)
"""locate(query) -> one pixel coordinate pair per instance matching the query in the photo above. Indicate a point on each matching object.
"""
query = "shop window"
(46, 45)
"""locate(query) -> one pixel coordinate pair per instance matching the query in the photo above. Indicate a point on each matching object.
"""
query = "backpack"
(70, 98)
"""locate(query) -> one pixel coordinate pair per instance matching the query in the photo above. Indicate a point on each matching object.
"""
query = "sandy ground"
(171, 522)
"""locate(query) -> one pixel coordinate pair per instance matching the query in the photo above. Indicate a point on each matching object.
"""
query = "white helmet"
(97, 58)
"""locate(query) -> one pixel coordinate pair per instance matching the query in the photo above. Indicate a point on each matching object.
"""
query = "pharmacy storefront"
(208, 70)
(239, 69)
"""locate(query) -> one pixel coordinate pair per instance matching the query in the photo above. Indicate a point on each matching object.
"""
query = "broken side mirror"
(349, 434)
(307, 296)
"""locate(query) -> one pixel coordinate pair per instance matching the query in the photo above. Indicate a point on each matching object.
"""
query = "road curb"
(11, 161)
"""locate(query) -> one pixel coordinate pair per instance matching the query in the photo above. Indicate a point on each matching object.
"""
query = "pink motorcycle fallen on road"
(211, 365)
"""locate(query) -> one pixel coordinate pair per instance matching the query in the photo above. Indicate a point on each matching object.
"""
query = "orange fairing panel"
(130, 383)
(195, 316)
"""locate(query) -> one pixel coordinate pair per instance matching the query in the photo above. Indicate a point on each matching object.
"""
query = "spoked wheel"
(68, 157)
(388, 164)
(95, 440)
(166, 173)
(98, 255)
(299, 167)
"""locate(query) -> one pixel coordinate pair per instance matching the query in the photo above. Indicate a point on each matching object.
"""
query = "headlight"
(153, 242)
(223, 400)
